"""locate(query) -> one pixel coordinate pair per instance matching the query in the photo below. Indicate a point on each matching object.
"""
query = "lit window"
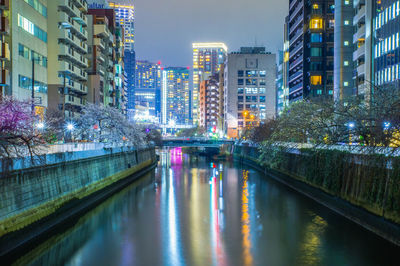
(316, 23)
(316, 80)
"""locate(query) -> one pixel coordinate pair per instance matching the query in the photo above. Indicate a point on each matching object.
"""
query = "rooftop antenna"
(255, 41)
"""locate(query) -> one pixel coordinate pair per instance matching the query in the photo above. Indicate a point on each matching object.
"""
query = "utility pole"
(64, 89)
(33, 84)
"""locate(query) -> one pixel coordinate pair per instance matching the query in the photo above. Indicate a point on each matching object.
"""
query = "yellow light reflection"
(248, 258)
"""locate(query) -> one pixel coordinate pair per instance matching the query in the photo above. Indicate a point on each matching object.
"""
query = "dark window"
(240, 82)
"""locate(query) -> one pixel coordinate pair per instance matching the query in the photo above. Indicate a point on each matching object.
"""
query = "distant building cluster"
(65, 54)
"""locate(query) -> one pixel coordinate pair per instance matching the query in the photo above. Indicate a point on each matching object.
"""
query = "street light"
(40, 125)
(351, 125)
(70, 127)
(386, 125)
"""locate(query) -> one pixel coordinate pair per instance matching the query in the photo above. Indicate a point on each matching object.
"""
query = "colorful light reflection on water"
(193, 211)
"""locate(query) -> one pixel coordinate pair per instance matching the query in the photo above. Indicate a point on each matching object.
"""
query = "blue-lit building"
(148, 87)
(125, 18)
(387, 42)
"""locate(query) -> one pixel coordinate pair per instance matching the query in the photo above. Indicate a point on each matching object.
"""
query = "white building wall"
(249, 62)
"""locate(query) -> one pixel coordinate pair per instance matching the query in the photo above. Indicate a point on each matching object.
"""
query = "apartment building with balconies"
(311, 26)
(210, 99)
(101, 57)
(67, 49)
(28, 52)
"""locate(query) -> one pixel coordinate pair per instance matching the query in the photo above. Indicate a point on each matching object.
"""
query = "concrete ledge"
(53, 215)
(378, 225)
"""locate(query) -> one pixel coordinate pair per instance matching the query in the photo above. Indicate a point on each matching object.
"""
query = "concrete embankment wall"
(28, 195)
(363, 188)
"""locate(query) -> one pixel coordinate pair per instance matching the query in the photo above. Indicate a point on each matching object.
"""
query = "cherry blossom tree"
(19, 132)
(107, 124)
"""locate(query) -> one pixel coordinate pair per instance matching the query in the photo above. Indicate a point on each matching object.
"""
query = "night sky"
(165, 29)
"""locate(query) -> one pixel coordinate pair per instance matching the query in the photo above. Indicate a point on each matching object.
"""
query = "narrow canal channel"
(195, 211)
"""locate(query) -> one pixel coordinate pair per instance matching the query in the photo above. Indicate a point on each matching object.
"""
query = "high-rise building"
(250, 91)
(280, 98)
(125, 17)
(343, 61)
(210, 99)
(119, 66)
(101, 42)
(387, 43)
(148, 87)
(175, 98)
(67, 49)
(311, 36)
(207, 59)
(353, 48)
(5, 62)
(107, 81)
(29, 39)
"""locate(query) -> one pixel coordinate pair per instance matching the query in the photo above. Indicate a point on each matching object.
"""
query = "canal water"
(197, 211)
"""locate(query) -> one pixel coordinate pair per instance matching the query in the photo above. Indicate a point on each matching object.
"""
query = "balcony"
(296, 24)
(4, 26)
(360, 34)
(296, 62)
(361, 70)
(296, 76)
(82, 5)
(4, 74)
(296, 88)
(99, 43)
(71, 71)
(359, 52)
(72, 56)
(69, 8)
(360, 15)
(298, 34)
(101, 30)
(78, 88)
(4, 4)
(296, 11)
(69, 39)
(74, 100)
(5, 51)
(65, 22)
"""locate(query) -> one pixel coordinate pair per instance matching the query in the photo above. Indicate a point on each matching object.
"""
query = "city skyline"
(157, 40)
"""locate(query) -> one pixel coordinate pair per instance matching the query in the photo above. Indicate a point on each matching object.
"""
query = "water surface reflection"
(196, 211)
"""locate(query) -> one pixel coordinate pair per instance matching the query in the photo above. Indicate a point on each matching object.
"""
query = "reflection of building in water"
(248, 258)
(215, 210)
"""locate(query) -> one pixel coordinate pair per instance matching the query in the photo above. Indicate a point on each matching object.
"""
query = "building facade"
(387, 43)
(210, 99)
(101, 57)
(311, 37)
(249, 89)
(148, 87)
(5, 62)
(175, 96)
(29, 64)
(354, 37)
(125, 17)
(207, 59)
(67, 62)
